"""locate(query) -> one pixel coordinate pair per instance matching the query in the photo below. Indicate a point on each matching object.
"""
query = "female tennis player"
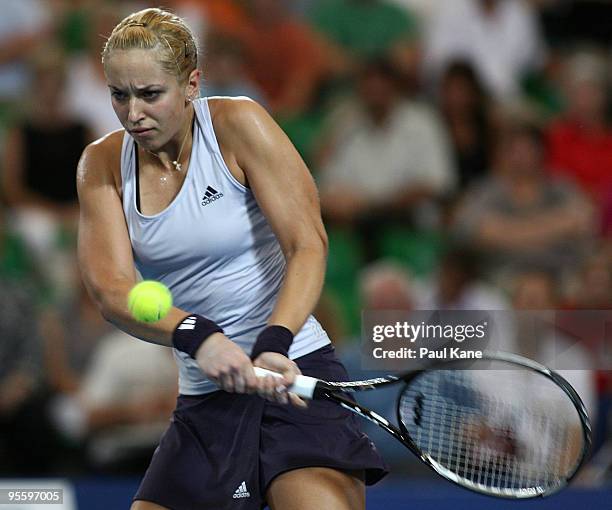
(209, 197)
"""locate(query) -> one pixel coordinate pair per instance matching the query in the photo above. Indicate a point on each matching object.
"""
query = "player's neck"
(174, 155)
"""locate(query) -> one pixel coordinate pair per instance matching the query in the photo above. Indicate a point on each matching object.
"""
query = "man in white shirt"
(389, 156)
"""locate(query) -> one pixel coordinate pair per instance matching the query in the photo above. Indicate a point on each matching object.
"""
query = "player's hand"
(227, 365)
(273, 388)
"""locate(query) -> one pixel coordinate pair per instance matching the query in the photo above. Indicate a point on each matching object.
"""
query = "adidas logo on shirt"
(211, 195)
(242, 492)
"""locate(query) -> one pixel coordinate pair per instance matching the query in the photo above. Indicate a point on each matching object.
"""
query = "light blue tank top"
(214, 249)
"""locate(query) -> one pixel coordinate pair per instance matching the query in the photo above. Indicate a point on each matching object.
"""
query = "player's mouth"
(141, 131)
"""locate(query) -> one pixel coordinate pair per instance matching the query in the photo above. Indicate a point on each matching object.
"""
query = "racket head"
(506, 426)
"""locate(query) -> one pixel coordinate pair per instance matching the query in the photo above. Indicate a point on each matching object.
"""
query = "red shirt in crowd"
(583, 155)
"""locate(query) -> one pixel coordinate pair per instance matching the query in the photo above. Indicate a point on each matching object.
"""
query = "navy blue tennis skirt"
(222, 450)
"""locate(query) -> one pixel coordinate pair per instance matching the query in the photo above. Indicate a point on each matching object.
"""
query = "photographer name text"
(426, 353)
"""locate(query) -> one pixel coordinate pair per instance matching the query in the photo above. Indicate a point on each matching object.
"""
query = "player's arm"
(104, 248)
(287, 195)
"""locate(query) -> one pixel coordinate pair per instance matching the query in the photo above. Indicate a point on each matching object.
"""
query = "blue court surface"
(103, 494)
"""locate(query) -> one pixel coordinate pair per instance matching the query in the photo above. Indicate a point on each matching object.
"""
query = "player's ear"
(192, 89)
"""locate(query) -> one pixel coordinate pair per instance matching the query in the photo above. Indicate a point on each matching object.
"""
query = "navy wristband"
(192, 332)
(273, 339)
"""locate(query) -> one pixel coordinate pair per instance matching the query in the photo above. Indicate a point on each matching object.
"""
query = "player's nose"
(135, 113)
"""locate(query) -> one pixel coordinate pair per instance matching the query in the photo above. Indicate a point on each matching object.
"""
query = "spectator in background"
(593, 294)
(86, 89)
(464, 105)
(459, 286)
(360, 30)
(24, 24)
(365, 29)
(501, 39)
(221, 16)
(387, 159)
(519, 216)
(26, 441)
(225, 70)
(580, 142)
(39, 171)
(594, 289)
(282, 55)
(536, 296)
(386, 286)
(74, 331)
(122, 404)
(263, 49)
(87, 363)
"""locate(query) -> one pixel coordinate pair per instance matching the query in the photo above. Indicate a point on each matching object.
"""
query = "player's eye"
(118, 96)
(150, 95)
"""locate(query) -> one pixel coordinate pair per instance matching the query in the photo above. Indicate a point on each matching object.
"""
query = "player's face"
(149, 102)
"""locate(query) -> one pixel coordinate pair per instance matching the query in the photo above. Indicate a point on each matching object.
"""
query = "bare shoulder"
(101, 161)
(233, 116)
(234, 109)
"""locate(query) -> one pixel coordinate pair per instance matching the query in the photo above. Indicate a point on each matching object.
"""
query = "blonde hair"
(160, 30)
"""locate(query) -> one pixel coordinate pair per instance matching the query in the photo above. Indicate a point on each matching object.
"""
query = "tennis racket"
(502, 425)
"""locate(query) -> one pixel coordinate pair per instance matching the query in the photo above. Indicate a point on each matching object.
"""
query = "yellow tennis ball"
(149, 301)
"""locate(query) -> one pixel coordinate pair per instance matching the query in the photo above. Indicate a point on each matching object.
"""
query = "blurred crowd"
(462, 149)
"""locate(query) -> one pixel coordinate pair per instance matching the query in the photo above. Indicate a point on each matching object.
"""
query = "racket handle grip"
(303, 386)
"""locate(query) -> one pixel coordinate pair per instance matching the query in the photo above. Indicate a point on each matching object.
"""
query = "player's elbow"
(319, 243)
(110, 299)
(107, 307)
(324, 242)
(98, 296)
(315, 249)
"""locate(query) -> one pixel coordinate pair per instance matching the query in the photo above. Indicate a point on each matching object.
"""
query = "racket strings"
(498, 440)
